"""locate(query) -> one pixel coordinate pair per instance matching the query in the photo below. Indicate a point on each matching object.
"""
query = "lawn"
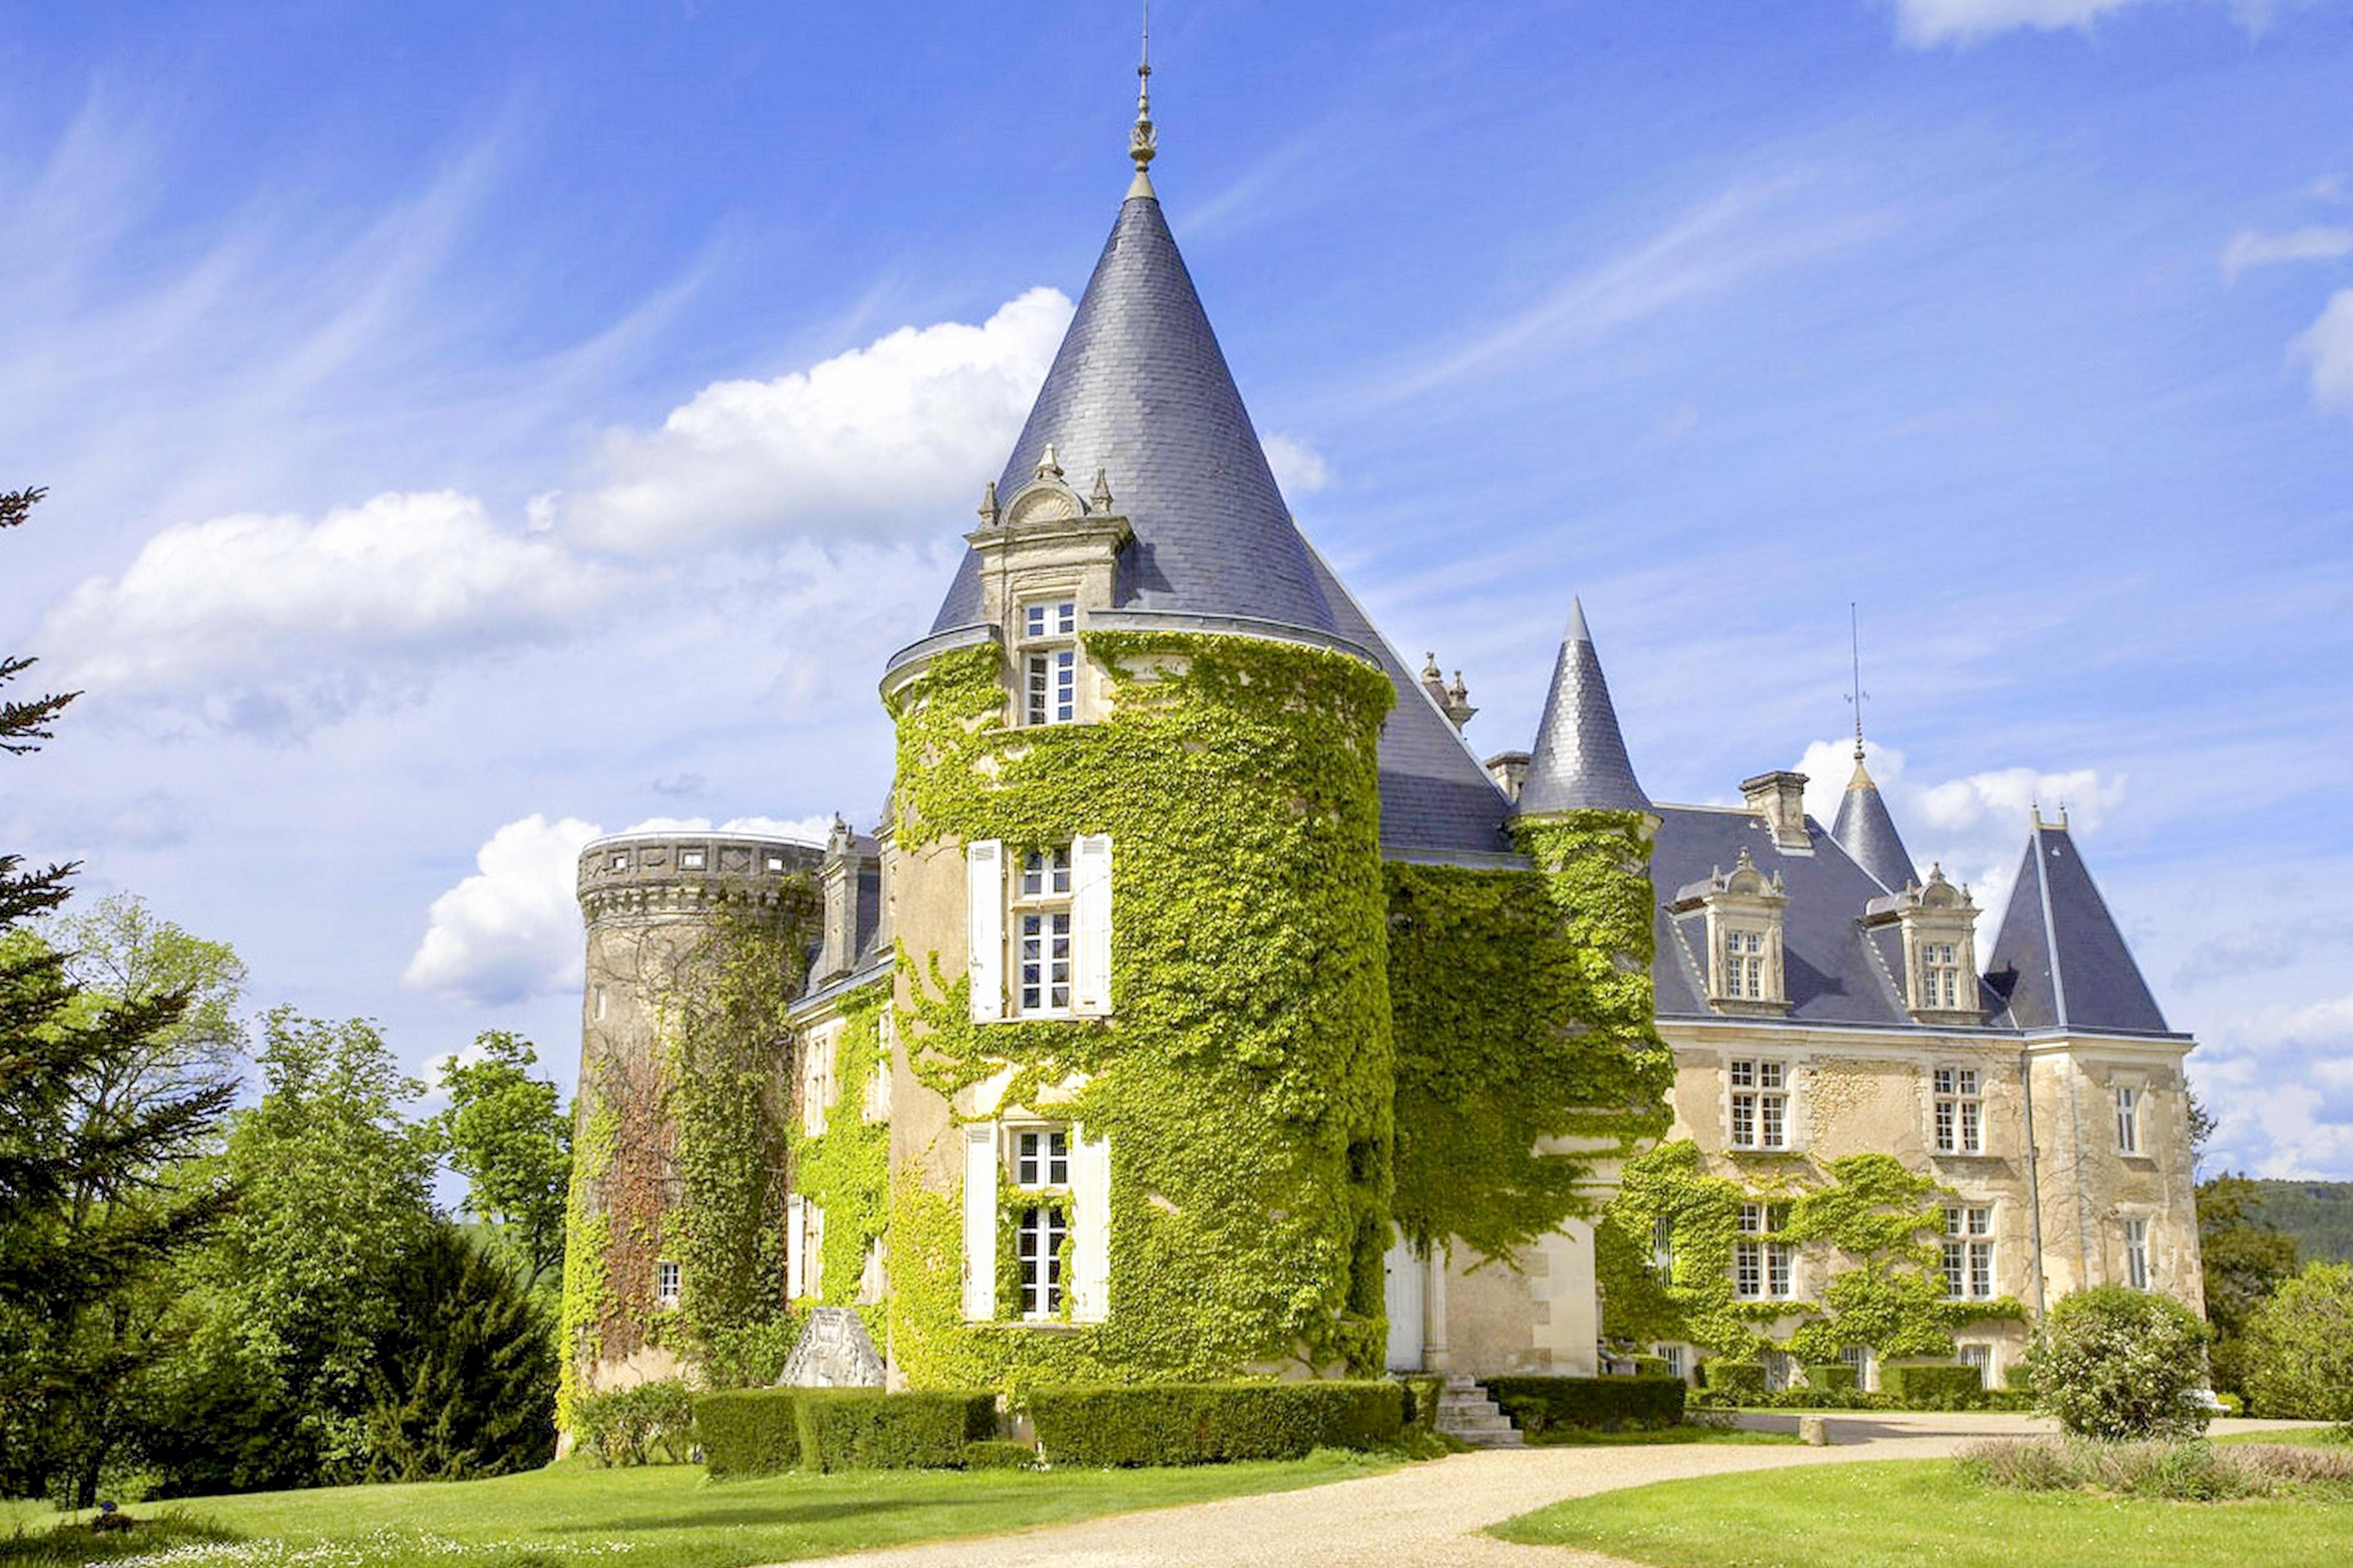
(1906, 1513)
(666, 1516)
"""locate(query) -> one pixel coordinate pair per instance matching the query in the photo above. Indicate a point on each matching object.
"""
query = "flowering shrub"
(2121, 1365)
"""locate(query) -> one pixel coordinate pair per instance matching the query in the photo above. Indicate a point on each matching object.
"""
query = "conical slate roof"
(1865, 831)
(2060, 962)
(1139, 388)
(1580, 761)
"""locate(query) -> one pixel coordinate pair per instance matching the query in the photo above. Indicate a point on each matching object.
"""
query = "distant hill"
(2319, 1215)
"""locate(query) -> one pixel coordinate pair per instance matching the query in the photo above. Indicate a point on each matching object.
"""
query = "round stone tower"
(651, 902)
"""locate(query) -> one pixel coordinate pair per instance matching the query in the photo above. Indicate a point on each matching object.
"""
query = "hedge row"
(1606, 1404)
(1938, 1387)
(1198, 1424)
(760, 1431)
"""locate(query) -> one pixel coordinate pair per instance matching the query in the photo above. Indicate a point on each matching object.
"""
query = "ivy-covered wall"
(1877, 1225)
(1244, 1081)
(845, 1170)
(1522, 1001)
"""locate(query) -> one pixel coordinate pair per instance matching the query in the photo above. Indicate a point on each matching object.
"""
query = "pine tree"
(466, 1383)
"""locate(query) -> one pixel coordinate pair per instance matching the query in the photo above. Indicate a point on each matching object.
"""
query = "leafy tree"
(465, 1384)
(91, 1132)
(2298, 1351)
(2245, 1257)
(2121, 1365)
(504, 1133)
(336, 1185)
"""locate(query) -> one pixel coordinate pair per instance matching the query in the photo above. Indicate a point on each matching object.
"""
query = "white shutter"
(980, 1222)
(1091, 1225)
(796, 1246)
(983, 860)
(813, 1271)
(1091, 923)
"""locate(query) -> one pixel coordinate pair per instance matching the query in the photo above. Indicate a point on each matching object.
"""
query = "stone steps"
(1468, 1416)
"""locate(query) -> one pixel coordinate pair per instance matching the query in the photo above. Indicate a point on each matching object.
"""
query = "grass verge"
(664, 1516)
(1902, 1513)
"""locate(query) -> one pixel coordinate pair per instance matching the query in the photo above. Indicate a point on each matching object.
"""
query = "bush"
(998, 1454)
(649, 1422)
(2121, 1364)
(1600, 1403)
(1740, 1379)
(1793, 1399)
(1830, 1376)
(1651, 1366)
(2179, 1472)
(2296, 1351)
(760, 1431)
(1944, 1386)
(1196, 1423)
(1421, 1394)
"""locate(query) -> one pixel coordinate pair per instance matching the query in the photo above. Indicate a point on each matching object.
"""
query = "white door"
(1403, 1273)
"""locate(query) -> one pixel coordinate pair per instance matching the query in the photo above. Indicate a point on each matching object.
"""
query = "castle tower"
(1140, 1106)
(666, 913)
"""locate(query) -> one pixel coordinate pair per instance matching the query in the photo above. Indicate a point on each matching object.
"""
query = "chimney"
(1510, 770)
(1781, 796)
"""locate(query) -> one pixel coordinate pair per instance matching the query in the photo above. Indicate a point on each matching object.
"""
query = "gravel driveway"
(1433, 1513)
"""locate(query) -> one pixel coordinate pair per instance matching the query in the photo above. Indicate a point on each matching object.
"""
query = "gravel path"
(1433, 1513)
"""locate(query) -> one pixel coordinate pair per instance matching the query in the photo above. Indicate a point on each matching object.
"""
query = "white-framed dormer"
(1936, 938)
(1741, 915)
(1048, 558)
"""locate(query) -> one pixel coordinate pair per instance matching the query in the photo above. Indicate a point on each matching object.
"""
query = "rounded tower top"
(676, 874)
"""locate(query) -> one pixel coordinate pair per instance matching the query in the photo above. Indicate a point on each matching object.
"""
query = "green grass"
(1908, 1513)
(657, 1517)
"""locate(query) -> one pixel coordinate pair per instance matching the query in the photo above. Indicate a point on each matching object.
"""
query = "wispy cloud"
(2251, 248)
(1925, 24)
(2326, 350)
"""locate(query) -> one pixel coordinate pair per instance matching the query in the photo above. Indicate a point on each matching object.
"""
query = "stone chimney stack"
(1781, 796)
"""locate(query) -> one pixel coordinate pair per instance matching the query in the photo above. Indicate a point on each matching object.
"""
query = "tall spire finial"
(1143, 140)
(1854, 647)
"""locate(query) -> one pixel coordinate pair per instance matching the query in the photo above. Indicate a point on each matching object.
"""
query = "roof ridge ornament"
(1143, 140)
(1854, 650)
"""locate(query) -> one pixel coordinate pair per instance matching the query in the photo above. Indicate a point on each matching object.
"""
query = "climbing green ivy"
(587, 1240)
(845, 1171)
(1244, 1082)
(1523, 1016)
(1867, 1212)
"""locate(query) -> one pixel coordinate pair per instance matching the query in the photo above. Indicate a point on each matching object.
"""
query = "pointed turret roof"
(2060, 962)
(1141, 390)
(1580, 761)
(1865, 831)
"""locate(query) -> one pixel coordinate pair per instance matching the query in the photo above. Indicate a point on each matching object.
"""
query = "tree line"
(199, 1295)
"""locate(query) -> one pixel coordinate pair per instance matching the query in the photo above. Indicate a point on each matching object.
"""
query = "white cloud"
(2327, 347)
(513, 929)
(2281, 1082)
(1298, 467)
(883, 440)
(798, 829)
(2251, 248)
(304, 620)
(1925, 24)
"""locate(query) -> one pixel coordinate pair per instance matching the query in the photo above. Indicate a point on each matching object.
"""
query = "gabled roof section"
(1866, 832)
(2060, 962)
(1580, 761)
(1436, 800)
(1139, 388)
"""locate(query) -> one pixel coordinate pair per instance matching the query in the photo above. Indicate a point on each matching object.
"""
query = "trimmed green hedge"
(1421, 1391)
(1944, 1386)
(1740, 1378)
(1198, 1424)
(1825, 1376)
(998, 1454)
(1602, 1403)
(760, 1431)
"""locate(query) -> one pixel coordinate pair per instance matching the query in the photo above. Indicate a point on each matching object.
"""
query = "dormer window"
(1049, 662)
(1940, 976)
(1938, 926)
(1741, 915)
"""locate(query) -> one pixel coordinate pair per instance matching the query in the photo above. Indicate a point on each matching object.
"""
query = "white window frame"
(1743, 952)
(1967, 1253)
(1662, 1248)
(1044, 913)
(669, 1283)
(1040, 1228)
(1048, 656)
(2127, 1102)
(2136, 1271)
(1941, 977)
(1039, 1165)
(1757, 1104)
(1958, 1113)
(1673, 1356)
(1979, 1356)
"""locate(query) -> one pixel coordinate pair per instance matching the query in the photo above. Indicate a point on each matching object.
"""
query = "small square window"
(1042, 1158)
(775, 862)
(620, 861)
(689, 859)
(667, 1281)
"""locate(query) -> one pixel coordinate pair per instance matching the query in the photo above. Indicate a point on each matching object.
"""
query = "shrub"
(756, 1431)
(1651, 1366)
(1603, 1403)
(2296, 1351)
(1195, 1424)
(998, 1454)
(1421, 1401)
(2121, 1364)
(1829, 1376)
(2179, 1472)
(1739, 1378)
(1944, 1385)
(649, 1422)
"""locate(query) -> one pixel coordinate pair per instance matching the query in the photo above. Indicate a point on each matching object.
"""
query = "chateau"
(1201, 1006)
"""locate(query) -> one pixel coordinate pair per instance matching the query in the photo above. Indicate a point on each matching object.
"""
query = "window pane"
(1768, 1074)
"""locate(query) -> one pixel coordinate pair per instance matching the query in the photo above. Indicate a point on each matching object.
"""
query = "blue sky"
(468, 426)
